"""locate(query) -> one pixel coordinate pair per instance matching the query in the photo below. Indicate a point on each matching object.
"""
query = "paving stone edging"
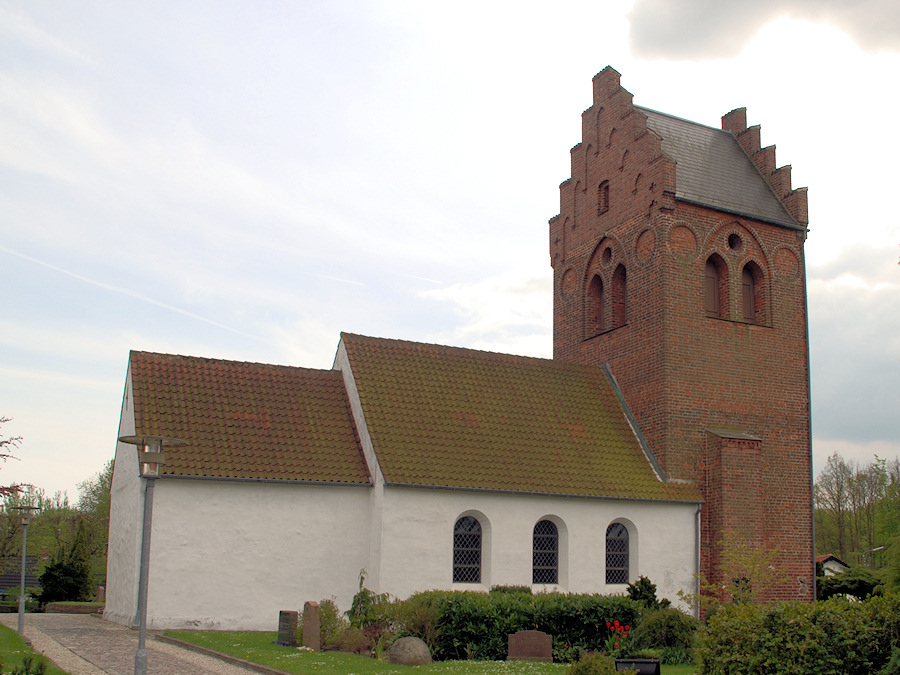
(219, 655)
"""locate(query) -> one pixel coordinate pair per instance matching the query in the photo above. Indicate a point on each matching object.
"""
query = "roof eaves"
(289, 481)
(533, 493)
(790, 225)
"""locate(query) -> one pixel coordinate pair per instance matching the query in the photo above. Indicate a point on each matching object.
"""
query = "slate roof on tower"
(247, 420)
(461, 418)
(713, 170)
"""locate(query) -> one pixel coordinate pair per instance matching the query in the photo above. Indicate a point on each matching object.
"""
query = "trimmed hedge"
(833, 637)
(468, 625)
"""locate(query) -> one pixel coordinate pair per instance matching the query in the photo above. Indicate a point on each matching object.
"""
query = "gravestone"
(410, 651)
(312, 632)
(287, 627)
(530, 645)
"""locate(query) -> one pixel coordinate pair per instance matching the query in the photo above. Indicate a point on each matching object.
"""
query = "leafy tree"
(93, 505)
(6, 447)
(858, 510)
(69, 578)
(832, 496)
(748, 574)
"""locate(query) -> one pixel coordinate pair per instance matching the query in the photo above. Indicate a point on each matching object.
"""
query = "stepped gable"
(247, 420)
(461, 418)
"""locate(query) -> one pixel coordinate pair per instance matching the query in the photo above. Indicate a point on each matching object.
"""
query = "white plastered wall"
(417, 540)
(231, 554)
(126, 506)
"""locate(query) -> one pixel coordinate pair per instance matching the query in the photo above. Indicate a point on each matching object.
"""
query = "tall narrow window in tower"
(545, 553)
(750, 293)
(617, 554)
(467, 551)
(711, 296)
(603, 198)
(594, 307)
(619, 297)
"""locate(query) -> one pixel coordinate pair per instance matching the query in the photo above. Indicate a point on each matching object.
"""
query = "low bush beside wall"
(834, 637)
(461, 625)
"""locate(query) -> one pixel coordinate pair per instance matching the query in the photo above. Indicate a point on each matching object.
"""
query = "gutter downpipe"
(697, 561)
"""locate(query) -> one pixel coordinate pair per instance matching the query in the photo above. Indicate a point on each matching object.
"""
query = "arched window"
(619, 297)
(617, 554)
(603, 198)
(594, 306)
(751, 297)
(545, 553)
(712, 289)
(467, 551)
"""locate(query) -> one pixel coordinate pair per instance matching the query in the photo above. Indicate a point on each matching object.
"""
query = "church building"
(675, 411)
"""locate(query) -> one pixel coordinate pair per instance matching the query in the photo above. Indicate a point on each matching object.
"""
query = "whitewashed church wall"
(231, 555)
(418, 540)
(126, 499)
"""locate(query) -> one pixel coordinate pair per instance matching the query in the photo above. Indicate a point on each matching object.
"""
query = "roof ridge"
(469, 350)
(226, 362)
(642, 108)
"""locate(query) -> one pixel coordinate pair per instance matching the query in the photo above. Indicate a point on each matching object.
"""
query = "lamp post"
(151, 458)
(26, 512)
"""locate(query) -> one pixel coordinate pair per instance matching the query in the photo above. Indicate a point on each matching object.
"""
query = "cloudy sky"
(245, 180)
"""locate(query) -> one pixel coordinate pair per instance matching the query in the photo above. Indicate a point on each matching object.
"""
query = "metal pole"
(22, 586)
(140, 658)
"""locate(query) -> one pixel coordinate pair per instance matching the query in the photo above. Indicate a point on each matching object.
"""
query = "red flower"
(627, 627)
(616, 623)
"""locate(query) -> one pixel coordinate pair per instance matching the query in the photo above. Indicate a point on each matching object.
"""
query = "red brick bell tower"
(678, 260)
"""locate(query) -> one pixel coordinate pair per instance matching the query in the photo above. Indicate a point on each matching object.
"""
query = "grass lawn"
(259, 648)
(13, 649)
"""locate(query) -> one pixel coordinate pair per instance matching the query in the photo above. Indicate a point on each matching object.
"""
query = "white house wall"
(123, 557)
(232, 554)
(417, 540)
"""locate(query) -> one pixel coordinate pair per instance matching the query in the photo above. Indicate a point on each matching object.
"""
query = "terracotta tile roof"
(461, 418)
(247, 420)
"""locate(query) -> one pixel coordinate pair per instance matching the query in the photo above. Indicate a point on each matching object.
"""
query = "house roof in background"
(461, 418)
(713, 170)
(247, 420)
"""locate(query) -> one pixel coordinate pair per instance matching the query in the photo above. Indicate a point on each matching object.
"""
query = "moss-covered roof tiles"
(461, 418)
(247, 420)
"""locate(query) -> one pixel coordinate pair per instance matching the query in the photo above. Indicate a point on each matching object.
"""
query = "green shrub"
(330, 622)
(892, 667)
(834, 637)
(511, 589)
(463, 625)
(593, 664)
(70, 577)
(666, 628)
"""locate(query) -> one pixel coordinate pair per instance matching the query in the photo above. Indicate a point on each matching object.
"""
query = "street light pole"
(150, 463)
(26, 516)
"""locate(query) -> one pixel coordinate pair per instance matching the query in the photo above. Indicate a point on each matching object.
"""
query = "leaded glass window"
(545, 555)
(617, 554)
(467, 551)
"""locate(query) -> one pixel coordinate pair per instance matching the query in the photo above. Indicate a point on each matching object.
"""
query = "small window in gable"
(715, 287)
(751, 293)
(617, 554)
(594, 306)
(545, 553)
(603, 198)
(619, 297)
(467, 551)
(711, 290)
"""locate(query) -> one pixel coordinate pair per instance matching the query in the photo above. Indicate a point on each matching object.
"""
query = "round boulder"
(410, 651)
